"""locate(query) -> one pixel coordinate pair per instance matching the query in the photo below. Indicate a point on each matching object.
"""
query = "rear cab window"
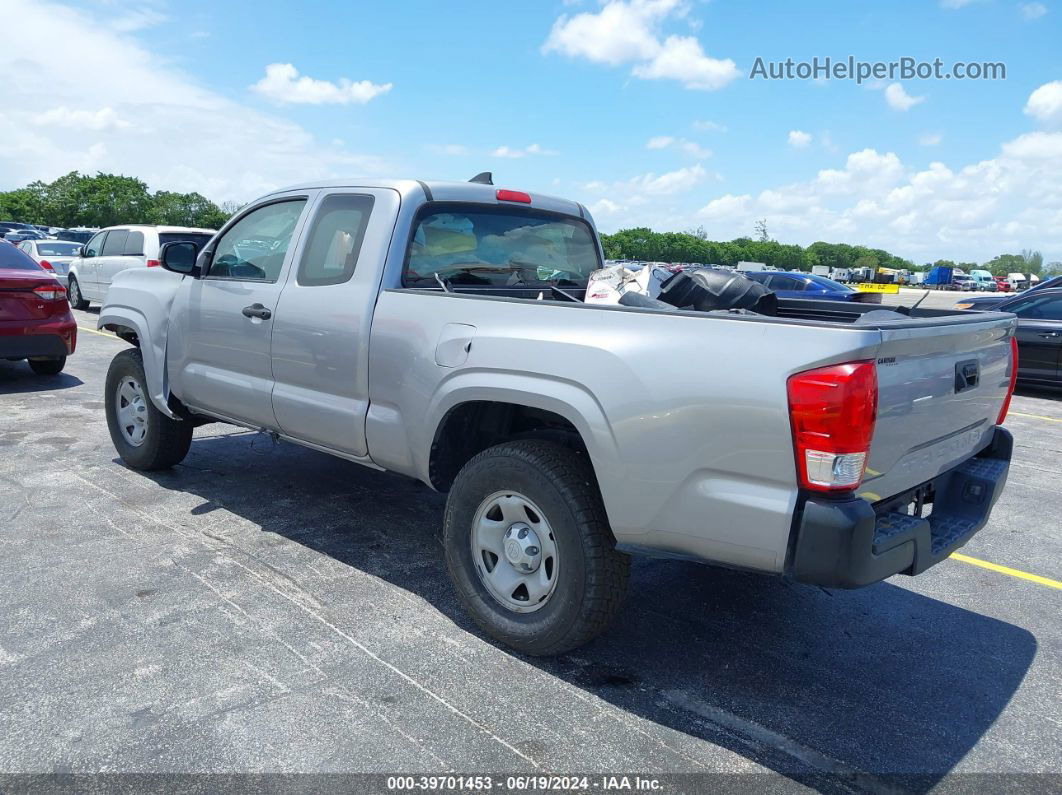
(476, 245)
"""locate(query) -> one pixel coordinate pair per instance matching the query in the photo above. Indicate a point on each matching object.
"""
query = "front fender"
(140, 300)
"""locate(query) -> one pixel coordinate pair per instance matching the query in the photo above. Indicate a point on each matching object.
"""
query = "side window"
(1040, 309)
(25, 246)
(255, 246)
(785, 283)
(115, 243)
(92, 248)
(331, 252)
(134, 244)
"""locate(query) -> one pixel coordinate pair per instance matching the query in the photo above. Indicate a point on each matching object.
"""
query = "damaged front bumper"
(850, 543)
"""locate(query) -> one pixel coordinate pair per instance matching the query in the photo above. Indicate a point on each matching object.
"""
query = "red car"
(1002, 285)
(35, 318)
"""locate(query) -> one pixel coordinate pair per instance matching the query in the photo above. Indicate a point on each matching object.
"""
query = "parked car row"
(1039, 311)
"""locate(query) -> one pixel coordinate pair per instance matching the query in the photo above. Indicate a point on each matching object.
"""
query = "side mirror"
(82, 252)
(179, 257)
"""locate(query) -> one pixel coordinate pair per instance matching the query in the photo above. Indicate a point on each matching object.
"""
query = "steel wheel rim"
(75, 292)
(131, 411)
(515, 552)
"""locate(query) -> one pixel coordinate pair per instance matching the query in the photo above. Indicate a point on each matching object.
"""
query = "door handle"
(257, 310)
(1049, 334)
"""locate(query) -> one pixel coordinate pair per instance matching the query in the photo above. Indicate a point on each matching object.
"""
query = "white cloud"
(798, 139)
(283, 84)
(1008, 202)
(709, 126)
(168, 142)
(533, 149)
(96, 120)
(682, 59)
(1031, 11)
(691, 148)
(628, 31)
(899, 99)
(930, 139)
(1045, 103)
(953, 4)
(620, 32)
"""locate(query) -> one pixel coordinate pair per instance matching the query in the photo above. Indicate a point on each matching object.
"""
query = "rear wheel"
(529, 548)
(144, 437)
(73, 294)
(48, 366)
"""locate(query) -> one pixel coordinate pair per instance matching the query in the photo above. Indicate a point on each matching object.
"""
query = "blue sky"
(643, 109)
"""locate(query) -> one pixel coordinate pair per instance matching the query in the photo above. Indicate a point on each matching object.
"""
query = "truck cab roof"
(445, 191)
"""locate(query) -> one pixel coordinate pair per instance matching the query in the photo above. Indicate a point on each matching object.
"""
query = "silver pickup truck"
(438, 330)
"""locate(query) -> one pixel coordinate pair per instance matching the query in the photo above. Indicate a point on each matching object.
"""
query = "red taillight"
(513, 196)
(50, 292)
(46, 265)
(1013, 380)
(832, 410)
(152, 263)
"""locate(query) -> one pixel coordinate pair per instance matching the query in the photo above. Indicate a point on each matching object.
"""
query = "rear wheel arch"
(472, 426)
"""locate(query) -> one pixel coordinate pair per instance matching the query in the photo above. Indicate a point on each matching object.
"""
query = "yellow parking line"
(101, 333)
(1024, 575)
(1034, 416)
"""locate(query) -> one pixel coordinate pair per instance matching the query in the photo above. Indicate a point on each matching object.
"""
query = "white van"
(118, 248)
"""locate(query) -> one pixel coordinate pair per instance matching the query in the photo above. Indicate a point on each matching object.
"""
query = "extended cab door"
(321, 328)
(221, 324)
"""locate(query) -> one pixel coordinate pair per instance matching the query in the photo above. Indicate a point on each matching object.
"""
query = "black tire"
(166, 441)
(48, 366)
(73, 292)
(592, 575)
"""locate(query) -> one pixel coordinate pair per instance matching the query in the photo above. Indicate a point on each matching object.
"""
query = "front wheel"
(73, 293)
(144, 437)
(529, 549)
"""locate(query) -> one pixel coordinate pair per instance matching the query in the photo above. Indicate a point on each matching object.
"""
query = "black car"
(1039, 314)
(993, 301)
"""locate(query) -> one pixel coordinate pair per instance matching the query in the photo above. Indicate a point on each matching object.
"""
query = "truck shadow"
(17, 378)
(836, 689)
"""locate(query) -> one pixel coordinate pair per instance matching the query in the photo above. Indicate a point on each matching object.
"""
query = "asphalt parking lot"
(271, 608)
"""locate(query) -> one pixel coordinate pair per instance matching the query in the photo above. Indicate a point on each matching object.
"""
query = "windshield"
(500, 247)
(57, 248)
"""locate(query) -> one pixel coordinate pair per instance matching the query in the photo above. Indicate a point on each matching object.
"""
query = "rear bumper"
(51, 339)
(851, 543)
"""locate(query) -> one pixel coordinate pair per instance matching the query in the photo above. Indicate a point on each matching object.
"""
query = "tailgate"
(941, 385)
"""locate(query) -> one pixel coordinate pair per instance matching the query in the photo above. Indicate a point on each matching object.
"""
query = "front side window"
(255, 246)
(500, 247)
(1046, 308)
(332, 247)
(785, 283)
(114, 246)
(92, 248)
